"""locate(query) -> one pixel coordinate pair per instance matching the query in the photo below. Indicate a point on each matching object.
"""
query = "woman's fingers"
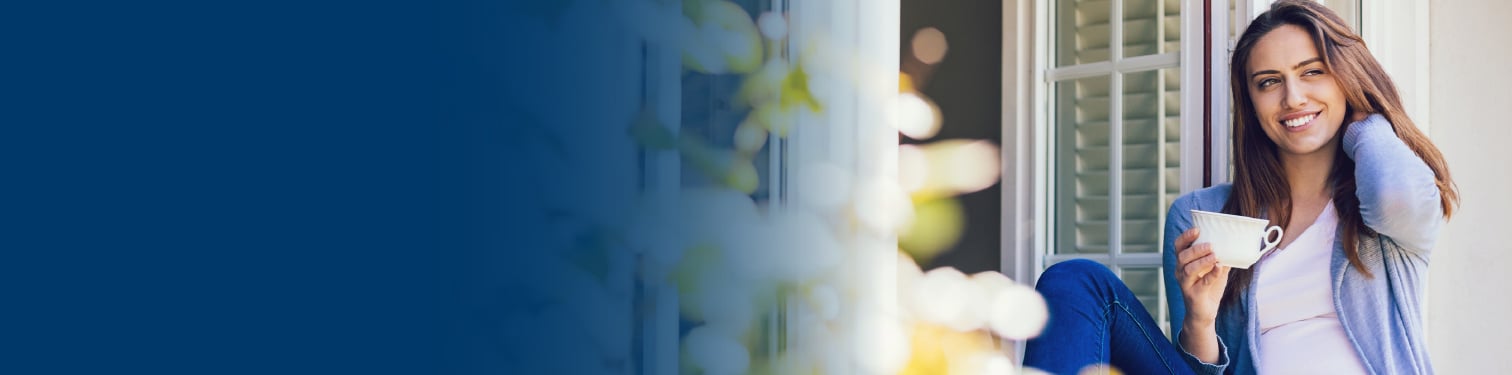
(1198, 269)
(1194, 252)
(1218, 273)
(1222, 272)
(1196, 262)
(1201, 271)
(1186, 238)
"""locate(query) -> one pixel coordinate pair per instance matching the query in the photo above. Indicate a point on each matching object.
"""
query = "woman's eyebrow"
(1308, 61)
(1299, 65)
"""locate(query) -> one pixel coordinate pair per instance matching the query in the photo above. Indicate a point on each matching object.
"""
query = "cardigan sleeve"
(1201, 367)
(1399, 195)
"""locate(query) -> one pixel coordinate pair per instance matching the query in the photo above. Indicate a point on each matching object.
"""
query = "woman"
(1324, 150)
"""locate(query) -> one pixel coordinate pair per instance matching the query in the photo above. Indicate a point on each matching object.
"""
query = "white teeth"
(1299, 121)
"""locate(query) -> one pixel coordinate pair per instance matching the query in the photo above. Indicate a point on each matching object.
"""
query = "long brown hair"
(1260, 187)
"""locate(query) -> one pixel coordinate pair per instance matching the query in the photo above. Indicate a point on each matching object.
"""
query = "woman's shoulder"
(1209, 198)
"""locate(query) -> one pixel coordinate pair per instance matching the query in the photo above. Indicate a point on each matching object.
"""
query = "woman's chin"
(1309, 147)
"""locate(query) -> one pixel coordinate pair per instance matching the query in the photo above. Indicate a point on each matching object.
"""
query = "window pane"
(1236, 25)
(1082, 31)
(1171, 24)
(1151, 160)
(1151, 27)
(1171, 123)
(1082, 165)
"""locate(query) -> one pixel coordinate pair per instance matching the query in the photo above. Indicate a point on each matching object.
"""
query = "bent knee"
(1072, 273)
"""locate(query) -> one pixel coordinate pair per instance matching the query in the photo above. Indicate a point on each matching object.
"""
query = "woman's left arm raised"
(1399, 195)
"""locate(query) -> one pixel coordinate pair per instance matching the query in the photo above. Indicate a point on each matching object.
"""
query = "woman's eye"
(1268, 82)
(1312, 72)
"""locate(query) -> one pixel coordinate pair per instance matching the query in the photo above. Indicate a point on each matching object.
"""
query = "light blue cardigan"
(1383, 315)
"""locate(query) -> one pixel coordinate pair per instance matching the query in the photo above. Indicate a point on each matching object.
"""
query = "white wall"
(1470, 87)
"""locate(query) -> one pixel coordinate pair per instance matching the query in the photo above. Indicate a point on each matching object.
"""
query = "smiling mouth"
(1296, 122)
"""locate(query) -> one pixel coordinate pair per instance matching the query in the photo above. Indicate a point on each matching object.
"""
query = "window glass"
(1083, 165)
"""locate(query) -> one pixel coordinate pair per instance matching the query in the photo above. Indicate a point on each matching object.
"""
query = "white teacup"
(1234, 238)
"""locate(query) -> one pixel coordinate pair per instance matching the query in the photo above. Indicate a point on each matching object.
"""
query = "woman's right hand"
(1202, 283)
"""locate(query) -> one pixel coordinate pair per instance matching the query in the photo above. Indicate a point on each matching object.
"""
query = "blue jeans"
(1095, 319)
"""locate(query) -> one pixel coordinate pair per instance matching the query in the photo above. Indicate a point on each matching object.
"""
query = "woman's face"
(1296, 98)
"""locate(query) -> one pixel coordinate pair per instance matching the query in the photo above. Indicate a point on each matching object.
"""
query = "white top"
(1300, 331)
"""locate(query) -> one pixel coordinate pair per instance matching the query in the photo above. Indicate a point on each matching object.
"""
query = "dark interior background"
(967, 87)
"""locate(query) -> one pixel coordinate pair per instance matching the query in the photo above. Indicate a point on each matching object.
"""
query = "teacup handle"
(1269, 244)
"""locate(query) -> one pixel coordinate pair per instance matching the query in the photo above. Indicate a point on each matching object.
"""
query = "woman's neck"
(1308, 174)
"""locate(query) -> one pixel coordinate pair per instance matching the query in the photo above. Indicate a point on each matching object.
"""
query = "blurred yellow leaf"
(937, 225)
(795, 91)
(937, 349)
(742, 176)
(726, 40)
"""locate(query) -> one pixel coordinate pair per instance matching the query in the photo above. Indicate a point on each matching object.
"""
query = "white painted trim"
(1129, 65)
(1191, 97)
(1246, 11)
(1016, 127)
(1016, 252)
(1115, 155)
(1115, 40)
(1115, 136)
(1040, 113)
(1149, 62)
(878, 26)
(1397, 34)
(1123, 260)
(1079, 71)
(1222, 110)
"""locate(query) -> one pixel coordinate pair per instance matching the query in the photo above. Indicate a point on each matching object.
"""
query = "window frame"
(1027, 79)
(1115, 69)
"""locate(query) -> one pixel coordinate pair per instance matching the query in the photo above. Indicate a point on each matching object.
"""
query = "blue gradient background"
(279, 186)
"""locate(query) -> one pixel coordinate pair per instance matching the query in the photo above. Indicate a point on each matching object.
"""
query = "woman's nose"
(1296, 96)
